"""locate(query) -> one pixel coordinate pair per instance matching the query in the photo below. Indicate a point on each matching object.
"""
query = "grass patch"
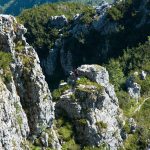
(19, 46)
(58, 92)
(85, 81)
(5, 60)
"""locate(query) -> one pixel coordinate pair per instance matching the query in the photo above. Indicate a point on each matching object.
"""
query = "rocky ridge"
(92, 105)
(26, 107)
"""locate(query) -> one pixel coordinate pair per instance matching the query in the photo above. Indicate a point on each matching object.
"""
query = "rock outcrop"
(26, 106)
(93, 107)
(134, 89)
(13, 120)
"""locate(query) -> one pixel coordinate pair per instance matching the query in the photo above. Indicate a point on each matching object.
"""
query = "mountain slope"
(116, 37)
(75, 44)
(120, 27)
(14, 7)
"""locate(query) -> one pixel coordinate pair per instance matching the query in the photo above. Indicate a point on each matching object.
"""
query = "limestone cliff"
(26, 102)
(92, 105)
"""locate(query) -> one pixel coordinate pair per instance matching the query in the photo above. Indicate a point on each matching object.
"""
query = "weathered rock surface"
(132, 124)
(93, 108)
(143, 75)
(133, 88)
(95, 73)
(26, 100)
(13, 120)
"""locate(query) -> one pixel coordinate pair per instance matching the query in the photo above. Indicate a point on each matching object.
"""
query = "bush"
(101, 125)
(5, 60)
(87, 17)
(70, 145)
(66, 131)
(114, 13)
(82, 122)
(116, 74)
(58, 92)
(125, 102)
(19, 46)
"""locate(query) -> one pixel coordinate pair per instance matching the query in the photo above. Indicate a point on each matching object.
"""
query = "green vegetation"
(87, 17)
(42, 36)
(145, 84)
(58, 92)
(103, 146)
(86, 81)
(71, 145)
(82, 122)
(123, 51)
(15, 7)
(127, 127)
(138, 140)
(119, 9)
(30, 145)
(125, 102)
(19, 119)
(5, 60)
(19, 46)
(65, 129)
(134, 59)
(116, 74)
(101, 125)
(115, 14)
(65, 132)
(18, 107)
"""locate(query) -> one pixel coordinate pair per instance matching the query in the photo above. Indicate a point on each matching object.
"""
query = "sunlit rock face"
(27, 106)
(93, 107)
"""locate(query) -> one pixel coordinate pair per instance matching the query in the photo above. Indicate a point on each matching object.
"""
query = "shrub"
(65, 132)
(82, 122)
(70, 145)
(138, 140)
(87, 17)
(58, 92)
(101, 125)
(114, 13)
(19, 46)
(5, 60)
(116, 74)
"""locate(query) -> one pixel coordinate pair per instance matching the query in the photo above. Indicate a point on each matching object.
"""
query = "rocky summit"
(92, 105)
